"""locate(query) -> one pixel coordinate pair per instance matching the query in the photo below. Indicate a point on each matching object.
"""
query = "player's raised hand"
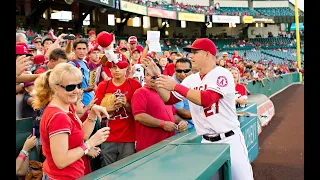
(166, 82)
(150, 66)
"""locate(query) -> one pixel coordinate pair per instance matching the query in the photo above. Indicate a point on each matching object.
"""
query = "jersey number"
(209, 111)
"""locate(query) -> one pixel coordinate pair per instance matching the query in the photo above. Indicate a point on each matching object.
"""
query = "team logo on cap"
(222, 81)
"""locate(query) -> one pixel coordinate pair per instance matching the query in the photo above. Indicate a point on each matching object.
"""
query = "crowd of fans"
(68, 86)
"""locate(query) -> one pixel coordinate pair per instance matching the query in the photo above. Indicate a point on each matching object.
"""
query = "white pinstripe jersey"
(221, 117)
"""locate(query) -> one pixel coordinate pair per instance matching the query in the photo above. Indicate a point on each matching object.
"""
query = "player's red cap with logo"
(204, 44)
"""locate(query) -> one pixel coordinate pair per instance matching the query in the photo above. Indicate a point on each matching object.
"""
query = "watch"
(25, 152)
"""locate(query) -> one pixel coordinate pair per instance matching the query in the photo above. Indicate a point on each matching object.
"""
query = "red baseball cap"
(204, 44)
(92, 32)
(132, 40)
(93, 49)
(136, 49)
(22, 50)
(38, 59)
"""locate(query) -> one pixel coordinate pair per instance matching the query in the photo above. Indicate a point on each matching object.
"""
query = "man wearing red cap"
(115, 95)
(211, 95)
(133, 42)
(92, 39)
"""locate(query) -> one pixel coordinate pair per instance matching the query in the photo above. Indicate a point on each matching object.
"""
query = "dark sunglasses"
(183, 70)
(37, 42)
(71, 87)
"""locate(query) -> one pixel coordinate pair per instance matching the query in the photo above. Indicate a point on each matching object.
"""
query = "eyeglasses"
(183, 70)
(70, 87)
(37, 42)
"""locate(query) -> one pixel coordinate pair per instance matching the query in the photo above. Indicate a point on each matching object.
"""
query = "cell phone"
(33, 131)
(69, 37)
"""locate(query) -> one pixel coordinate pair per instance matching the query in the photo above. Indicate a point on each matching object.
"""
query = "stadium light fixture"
(146, 22)
(111, 20)
(118, 20)
(183, 24)
(136, 22)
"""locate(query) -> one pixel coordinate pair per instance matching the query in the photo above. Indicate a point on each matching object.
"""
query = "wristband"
(181, 90)
(22, 157)
(84, 148)
(162, 124)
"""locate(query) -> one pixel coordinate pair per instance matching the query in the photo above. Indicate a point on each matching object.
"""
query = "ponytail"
(42, 91)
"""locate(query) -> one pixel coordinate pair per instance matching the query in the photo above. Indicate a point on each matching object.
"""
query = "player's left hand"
(182, 126)
(166, 82)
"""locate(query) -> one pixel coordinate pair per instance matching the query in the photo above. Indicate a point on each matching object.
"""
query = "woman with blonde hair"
(65, 139)
(241, 92)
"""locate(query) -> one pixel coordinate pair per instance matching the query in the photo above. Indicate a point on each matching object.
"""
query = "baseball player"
(211, 99)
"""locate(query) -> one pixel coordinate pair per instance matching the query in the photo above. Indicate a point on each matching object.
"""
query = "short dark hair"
(80, 41)
(183, 60)
(161, 70)
(46, 38)
(58, 53)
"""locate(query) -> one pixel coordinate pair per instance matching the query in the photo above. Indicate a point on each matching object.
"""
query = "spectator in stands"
(56, 57)
(37, 45)
(27, 110)
(21, 38)
(222, 62)
(133, 42)
(146, 105)
(80, 47)
(116, 96)
(62, 133)
(135, 57)
(93, 55)
(163, 61)
(22, 161)
(241, 93)
(46, 42)
(183, 68)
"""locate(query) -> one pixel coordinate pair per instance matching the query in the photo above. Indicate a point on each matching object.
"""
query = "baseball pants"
(240, 165)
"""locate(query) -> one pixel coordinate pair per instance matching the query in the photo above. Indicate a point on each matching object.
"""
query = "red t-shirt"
(234, 56)
(169, 70)
(241, 89)
(122, 129)
(241, 71)
(146, 100)
(55, 121)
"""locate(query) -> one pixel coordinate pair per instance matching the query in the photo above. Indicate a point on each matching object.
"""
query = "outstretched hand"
(166, 82)
(150, 66)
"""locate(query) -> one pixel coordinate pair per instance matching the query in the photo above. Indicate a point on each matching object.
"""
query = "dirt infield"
(281, 143)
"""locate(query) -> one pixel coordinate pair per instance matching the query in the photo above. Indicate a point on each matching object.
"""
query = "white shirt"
(221, 117)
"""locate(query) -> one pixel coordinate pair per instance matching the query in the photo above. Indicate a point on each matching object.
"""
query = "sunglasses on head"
(71, 87)
(183, 70)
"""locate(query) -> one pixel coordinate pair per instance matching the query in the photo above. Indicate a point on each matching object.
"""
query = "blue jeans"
(45, 177)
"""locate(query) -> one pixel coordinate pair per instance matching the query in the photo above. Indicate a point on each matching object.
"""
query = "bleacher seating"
(230, 10)
(276, 11)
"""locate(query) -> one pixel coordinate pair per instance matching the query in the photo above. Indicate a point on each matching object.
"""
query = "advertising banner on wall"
(161, 13)
(247, 19)
(132, 7)
(225, 19)
(190, 17)
(263, 20)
